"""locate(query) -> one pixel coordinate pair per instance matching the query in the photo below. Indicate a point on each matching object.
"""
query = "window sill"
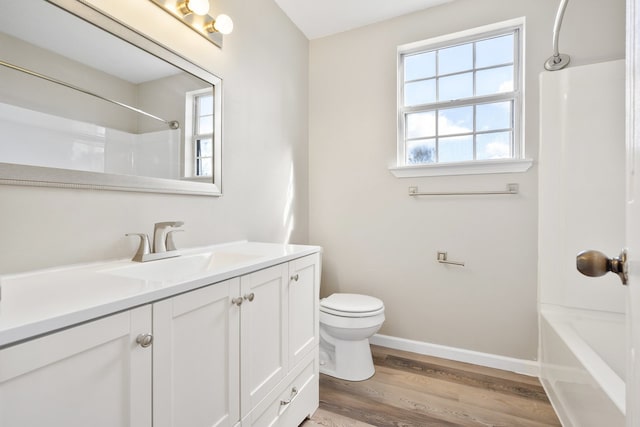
(463, 168)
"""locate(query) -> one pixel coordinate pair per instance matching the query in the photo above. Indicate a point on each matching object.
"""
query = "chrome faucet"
(163, 244)
(162, 235)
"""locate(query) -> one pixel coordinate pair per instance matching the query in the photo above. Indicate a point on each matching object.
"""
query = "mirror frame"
(16, 174)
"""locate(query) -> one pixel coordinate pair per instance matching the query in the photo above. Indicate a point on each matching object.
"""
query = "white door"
(94, 375)
(196, 358)
(633, 212)
(304, 300)
(263, 333)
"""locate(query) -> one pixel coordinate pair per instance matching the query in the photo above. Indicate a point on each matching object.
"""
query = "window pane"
(493, 116)
(205, 124)
(421, 125)
(421, 151)
(494, 80)
(496, 51)
(419, 66)
(422, 92)
(455, 59)
(205, 105)
(204, 148)
(206, 167)
(493, 146)
(455, 120)
(455, 87)
(455, 149)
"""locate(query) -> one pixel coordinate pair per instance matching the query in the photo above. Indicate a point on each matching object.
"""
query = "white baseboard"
(526, 367)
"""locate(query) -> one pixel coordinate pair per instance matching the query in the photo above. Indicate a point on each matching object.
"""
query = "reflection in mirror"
(83, 107)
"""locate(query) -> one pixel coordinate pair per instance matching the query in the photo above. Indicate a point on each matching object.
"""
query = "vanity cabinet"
(94, 374)
(239, 352)
(244, 350)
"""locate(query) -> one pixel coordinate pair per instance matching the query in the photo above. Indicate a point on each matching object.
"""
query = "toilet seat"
(351, 305)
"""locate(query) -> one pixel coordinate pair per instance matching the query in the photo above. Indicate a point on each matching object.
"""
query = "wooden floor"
(409, 389)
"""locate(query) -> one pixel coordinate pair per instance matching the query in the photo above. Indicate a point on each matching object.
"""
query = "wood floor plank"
(459, 376)
(416, 390)
(378, 351)
(377, 413)
(512, 405)
(429, 407)
(325, 418)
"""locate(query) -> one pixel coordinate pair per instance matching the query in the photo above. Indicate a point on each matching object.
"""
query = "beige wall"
(264, 67)
(381, 242)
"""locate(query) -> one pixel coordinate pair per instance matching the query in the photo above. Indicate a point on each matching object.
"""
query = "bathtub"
(583, 365)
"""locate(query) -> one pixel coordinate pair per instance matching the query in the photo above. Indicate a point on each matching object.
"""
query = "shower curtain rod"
(559, 60)
(173, 124)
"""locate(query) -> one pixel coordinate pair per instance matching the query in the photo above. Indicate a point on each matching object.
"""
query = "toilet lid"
(351, 303)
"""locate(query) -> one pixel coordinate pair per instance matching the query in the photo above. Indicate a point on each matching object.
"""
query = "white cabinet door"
(196, 358)
(263, 335)
(304, 283)
(94, 375)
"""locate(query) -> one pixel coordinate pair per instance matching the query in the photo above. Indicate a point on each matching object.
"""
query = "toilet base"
(347, 360)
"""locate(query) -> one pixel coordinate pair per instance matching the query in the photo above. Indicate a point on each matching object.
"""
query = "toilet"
(347, 321)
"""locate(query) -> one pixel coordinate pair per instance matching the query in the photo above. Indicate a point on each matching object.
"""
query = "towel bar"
(511, 189)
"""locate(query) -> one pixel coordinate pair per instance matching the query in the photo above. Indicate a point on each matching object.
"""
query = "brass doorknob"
(596, 264)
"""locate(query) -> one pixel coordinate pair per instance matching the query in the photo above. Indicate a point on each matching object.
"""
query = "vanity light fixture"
(195, 14)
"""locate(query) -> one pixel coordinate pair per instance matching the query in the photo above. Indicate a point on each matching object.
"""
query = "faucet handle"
(169, 243)
(143, 249)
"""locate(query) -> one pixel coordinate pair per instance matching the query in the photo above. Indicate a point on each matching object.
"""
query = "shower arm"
(558, 60)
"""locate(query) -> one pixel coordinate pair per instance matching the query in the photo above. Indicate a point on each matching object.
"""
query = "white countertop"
(39, 302)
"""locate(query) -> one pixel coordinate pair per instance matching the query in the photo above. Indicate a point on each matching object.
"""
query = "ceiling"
(320, 18)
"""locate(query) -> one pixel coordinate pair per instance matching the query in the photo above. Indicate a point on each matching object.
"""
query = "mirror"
(86, 102)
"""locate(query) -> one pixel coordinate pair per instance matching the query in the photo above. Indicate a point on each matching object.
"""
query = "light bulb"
(199, 7)
(223, 24)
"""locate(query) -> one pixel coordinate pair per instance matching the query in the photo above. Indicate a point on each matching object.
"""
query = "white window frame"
(517, 163)
(190, 136)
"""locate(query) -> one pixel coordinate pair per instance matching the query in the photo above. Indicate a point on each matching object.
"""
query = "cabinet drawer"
(299, 389)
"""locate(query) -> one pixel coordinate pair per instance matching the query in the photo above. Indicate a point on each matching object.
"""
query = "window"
(199, 134)
(460, 99)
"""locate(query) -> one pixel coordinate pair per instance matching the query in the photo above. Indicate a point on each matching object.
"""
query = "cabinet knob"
(250, 297)
(145, 340)
(295, 277)
(294, 392)
(237, 301)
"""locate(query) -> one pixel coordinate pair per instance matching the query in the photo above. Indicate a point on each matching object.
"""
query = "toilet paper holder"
(442, 259)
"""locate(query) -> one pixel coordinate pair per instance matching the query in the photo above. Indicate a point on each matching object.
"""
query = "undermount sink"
(182, 267)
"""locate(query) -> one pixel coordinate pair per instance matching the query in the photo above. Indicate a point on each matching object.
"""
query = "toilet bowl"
(347, 321)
